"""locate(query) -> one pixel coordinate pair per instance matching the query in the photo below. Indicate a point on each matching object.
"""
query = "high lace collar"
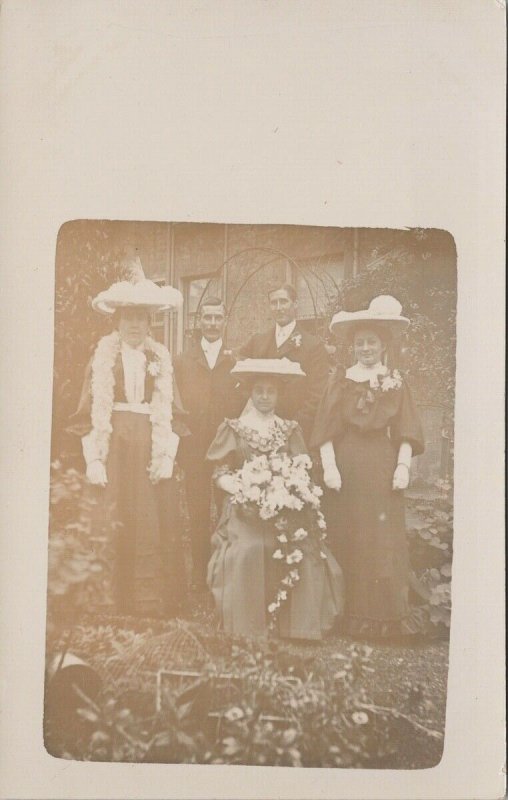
(254, 419)
(361, 374)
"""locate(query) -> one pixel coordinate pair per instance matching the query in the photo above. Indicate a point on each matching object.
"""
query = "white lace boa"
(102, 388)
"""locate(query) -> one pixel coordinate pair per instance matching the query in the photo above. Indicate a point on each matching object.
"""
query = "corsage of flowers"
(379, 383)
(153, 363)
(280, 488)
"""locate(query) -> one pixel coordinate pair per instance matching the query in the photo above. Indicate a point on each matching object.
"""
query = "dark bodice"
(350, 404)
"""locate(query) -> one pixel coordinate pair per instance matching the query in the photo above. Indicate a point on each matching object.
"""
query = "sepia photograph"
(253, 400)
(251, 494)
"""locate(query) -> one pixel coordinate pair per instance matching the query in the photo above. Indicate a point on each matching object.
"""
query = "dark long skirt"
(366, 530)
(144, 523)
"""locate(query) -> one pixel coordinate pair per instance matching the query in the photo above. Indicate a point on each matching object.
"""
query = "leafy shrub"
(430, 531)
(79, 563)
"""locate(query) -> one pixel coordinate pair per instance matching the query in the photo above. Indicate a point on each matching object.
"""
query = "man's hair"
(286, 287)
(212, 300)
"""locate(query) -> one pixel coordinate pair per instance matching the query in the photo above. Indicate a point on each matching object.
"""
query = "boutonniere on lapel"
(296, 339)
(153, 364)
(378, 383)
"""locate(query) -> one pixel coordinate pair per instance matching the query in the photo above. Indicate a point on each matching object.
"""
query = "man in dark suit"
(288, 340)
(207, 391)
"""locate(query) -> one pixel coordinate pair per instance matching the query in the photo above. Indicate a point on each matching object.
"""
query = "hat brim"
(247, 377)
(109, 307)
(343, 328)
(143, 294)
(268, 368)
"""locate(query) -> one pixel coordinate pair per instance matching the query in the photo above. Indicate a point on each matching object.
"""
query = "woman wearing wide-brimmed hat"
(252, 592)
(130, 422)
(367, 428)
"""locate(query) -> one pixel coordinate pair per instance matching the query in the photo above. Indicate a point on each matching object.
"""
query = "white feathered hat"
(383, 311)
(137, 291)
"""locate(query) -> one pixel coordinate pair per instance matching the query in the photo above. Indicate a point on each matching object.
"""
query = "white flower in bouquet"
(276, 463)
(300, 534)
(273, 607)
(278, 554)
(282, 538)
(266, 513)
(282, 594)
(253, 494)
(321, 522)
(294, 575)
(302, 460)
(278, 484)
(295, 557)
(294, 503)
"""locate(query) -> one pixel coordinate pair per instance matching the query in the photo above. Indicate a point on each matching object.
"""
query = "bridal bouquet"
(279, 488)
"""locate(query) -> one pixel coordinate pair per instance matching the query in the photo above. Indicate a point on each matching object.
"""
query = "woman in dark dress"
(128, 418)
(367, 429)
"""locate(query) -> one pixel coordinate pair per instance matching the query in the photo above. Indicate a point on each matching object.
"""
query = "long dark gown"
(141, 521)
(242, 574)
(366, 518)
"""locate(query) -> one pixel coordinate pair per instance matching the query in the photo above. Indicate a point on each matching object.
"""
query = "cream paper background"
(385, 113)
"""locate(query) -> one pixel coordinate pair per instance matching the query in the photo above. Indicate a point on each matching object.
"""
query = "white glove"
(331, 474)
(400, 477)
(332, 479)
(227, 483)
(164, 470)
(96, 473)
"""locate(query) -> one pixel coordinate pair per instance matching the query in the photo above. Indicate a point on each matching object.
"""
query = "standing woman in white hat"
(127, 417)
(367, 429)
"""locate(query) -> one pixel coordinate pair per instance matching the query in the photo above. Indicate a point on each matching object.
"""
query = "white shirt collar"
(211, 350)
(283, 332)
(360, 373)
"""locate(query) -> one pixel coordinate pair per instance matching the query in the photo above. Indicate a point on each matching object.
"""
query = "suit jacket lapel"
(221, 357)
(289, 344)
(268, 346)
(198, 355)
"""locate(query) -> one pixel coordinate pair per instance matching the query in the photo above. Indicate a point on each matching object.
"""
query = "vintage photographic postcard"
(253, 479)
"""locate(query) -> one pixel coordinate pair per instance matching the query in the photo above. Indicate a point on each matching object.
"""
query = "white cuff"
(327, 456)
(174, 441)
(90, 449)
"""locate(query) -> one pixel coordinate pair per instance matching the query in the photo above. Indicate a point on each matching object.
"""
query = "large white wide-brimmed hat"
(137, 291)
(269, 367)
(384, 311)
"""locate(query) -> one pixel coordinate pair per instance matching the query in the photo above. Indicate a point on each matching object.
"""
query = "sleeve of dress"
(407, 426)
(328, 422)
(80, 421)
(222, 449)
(296, 442)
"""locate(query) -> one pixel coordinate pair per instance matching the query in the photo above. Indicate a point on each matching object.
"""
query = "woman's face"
(264, 395)
(368, 347)
(133, 325)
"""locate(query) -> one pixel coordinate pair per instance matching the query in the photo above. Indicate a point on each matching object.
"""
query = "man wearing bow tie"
(288, 340)
(207, 392)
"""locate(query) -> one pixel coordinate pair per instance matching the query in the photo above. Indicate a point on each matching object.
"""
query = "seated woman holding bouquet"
(270, 571)
(128, 418)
